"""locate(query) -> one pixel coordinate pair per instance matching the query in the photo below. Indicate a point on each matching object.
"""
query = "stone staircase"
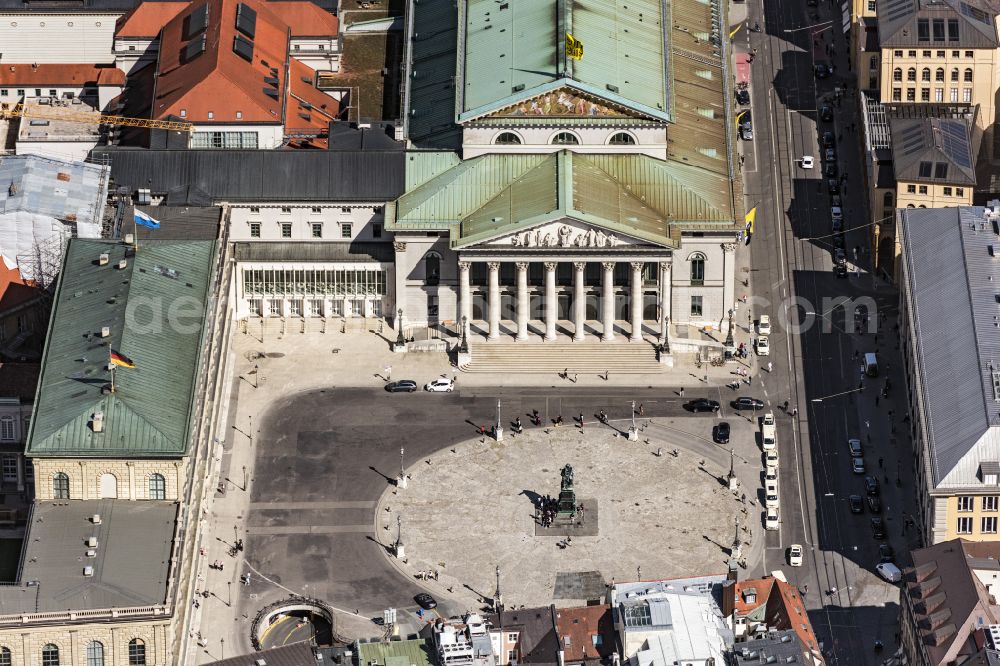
(554, 357)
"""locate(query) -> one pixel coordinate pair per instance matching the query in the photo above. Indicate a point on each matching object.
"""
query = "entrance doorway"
(109, 486)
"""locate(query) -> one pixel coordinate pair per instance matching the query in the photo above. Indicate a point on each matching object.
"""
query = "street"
(814, 346)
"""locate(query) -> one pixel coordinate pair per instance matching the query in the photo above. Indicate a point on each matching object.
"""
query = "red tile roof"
(148, 18)
(221, 82)
(581, 625)
(783, 608)
(15, 291)
(60, 74)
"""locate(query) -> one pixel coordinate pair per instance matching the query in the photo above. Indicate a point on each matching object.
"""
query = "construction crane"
(68, 115)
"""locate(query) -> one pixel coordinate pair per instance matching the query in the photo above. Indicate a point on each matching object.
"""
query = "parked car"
(743, 97)
(828, 140)
(837, 226)
(702, 405)
(771, 518)
(830, 155)
(839, 255)
(771, 493)
(401, 386)
(764, 325)
(806, 162)
(871, 486)
(857, 504)
(770, 474)
(836, 201)
(746, 131)
(836, 213)
(826, 113)
(768, 432)
(874, 504)
(745, 402)
(889, 571)
(762, 346)
(858, 465)
(425, 601)
(795, 555)
(854, 446)
(440, 385)
(771, 457)
(840, 270)
(823, 70)
(878, 529)
(833, 186)
(720, 433)
(886, 553)
(830, 170)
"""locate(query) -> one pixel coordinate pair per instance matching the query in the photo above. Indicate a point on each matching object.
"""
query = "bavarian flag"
(750, 219)
(574, 47)
(120, 359)
(144, 219)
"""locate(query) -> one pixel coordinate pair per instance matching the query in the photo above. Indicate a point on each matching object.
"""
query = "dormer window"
(989, 472)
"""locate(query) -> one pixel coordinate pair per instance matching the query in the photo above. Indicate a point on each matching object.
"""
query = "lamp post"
(498, 429)
(633, 431)
(730, 343)
(401, 480)
(400, 340)
(398, 547)
(463, 347)
(664, 338)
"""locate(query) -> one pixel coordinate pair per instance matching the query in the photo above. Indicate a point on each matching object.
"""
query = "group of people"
(742, 351)
(547, 509)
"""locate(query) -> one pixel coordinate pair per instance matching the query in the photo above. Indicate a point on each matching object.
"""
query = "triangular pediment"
(565, 233)
(566, 102)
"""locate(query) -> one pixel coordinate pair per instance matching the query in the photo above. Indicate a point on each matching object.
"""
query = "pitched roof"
(147, 18)
(296, 654)
(937, 23)
(949, 279)
(947, 599)
(70, 74)
(413, 652)
(777, 605)
(15, 291)
(516, 50)
(936, 150)
(587, 632)
(538, 642)
(306, 19)
(149, 412)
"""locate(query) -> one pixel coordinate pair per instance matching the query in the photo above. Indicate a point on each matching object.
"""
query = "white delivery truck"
(767, 431)
(871, 365)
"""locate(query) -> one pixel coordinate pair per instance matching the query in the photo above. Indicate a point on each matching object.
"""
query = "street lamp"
(401, 480)
(730, 343)
(400, 340)
(633, 432)
(463, 347)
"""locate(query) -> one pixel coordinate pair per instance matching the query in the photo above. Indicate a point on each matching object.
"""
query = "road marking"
(310, 529)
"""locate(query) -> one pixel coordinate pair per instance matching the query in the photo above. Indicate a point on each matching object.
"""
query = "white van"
(890, 572)
(871, 365)
(767, 431)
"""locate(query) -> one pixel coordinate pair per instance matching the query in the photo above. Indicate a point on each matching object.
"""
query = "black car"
(830, 170)
(838, 241)
(886, 553)
(875, 504)
(840, 270)
(835, 200)
(702, 405)
(828, 140)
(748, 403)
(743, 97)
(720, 433)
(833, 186)
(871, 486)
(425, 601)
(823, 70)
(826, 113)
(878, 528)
(857, 504)
(402, 386)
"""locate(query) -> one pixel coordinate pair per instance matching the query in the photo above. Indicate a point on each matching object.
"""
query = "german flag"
(120, 359)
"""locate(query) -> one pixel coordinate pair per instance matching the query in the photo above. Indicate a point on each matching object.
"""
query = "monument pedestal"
(583, 523)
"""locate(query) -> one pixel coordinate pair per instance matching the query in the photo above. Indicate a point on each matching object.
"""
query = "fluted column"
(608, 301)
(522, 300)
(665, 309)
(550, 300)
(494, 300)
(579, 300)
(636, 301)
(465, 292)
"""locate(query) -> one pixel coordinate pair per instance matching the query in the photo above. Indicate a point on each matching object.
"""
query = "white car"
(771, 494)
(889, 571)
(770, 474)
(771, 518)
(764, 325)
(763, 346)
(771, 457)
(836, 213)
(795, 555)
(806, 162)
(440, 385)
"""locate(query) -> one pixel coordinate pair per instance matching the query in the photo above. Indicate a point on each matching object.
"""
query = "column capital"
(551, 265)
(665, 266)
(637, 265)
(464, 266)
(608, 265)
(579, 265)
(521, 266)
(399, 246)
(493, 266)
(729, 247)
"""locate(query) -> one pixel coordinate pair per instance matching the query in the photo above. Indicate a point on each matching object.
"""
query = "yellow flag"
(751, 220)
(574, 47)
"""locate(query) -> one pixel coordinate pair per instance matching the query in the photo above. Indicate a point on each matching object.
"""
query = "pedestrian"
(770, 366)
(576, 376)
(640, 409)
(566, 373)
(786, 405)
(388, 373)
(606, 373)
(868, 425)
(482, 430)
(795, 411)
(681, 392)
(855, 354)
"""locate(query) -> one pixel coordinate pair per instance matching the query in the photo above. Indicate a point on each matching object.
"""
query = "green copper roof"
(630, 194)
(155, 310)
(513, 50)
(417, 652)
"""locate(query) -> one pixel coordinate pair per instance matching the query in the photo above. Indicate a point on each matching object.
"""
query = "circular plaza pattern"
(469, 509)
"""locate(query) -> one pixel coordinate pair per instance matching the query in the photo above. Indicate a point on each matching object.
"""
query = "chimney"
(103, 259)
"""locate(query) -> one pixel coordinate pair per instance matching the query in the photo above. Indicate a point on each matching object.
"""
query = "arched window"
(939, 74)
(432, 268)
(507, 139)
(910, 206)
(925, 74)
(897, 74)
(698, 268)
(157, 487)
(968, 74)
(5, 659)
(954, 74)
(95, 653)
(136, 652)
(7, 428)
(911, 74)
(621, 139)
(565, 139)
(922, 206)
(60, 486)
(50, 655)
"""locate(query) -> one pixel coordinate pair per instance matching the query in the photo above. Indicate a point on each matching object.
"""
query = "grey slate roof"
(131, 567)
(952, 285)
(539, 638)
(933, 150)
(178, 222)
(319, 251)
(784, 646)
(296, 654)
(202, 177)
(432, 52)
(898, 23)
(155, 310)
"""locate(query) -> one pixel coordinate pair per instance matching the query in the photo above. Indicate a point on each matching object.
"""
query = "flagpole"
(111, 363)
(135, 232)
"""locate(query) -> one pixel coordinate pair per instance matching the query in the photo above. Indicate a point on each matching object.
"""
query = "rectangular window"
(965, 525)
(911, 94)
(345, 229)
(317, 229)
(939, 94)
(988, 525)
(255, 306)
(938, 25)
(990, 503)
(871, 5)
(286, 230)
(897, 94)
(953, 94)
(959, 191)
(274, 307)
(922, 189)
(965, 503)
(897, 54)
(927, 54)
(968, 54)
(923, 30)
(20, 92)
(9, 468)
(511, 638)
(316, 307)
(255, 230)
(223, 140)
(376, 231)
(925, 94)
(946, 191)
(255, 210)
(295, 307)
(911, 54)
(952, 30)
(911, 189)
(940, 54)
(967, 94)
(7, 428)
(697, 307)
(3, 92)
(345, 209)
(317, 209)
(286, 210)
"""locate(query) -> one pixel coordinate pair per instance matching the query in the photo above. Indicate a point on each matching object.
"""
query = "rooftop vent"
(122, 264)
(91, 553)
(92, 542)
(103, 259)
(88, 571)
(97, 425)
(129, 239)
(105, 331)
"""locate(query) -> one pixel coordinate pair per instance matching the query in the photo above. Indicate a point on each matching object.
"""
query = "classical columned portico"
(608, 301)
(579, 300)
(550, 300)
(522, 300)
(494, 299)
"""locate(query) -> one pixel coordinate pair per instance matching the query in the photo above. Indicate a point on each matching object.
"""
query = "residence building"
(769, 616)
(950, 344)
(587, 635)
(465, 643)
(93, 85)
(949, 610)
(18, 382)
(23, 315)
(525, 636)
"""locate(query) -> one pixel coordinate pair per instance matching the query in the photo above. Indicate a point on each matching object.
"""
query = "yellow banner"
(751, 220)
(574, 47)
